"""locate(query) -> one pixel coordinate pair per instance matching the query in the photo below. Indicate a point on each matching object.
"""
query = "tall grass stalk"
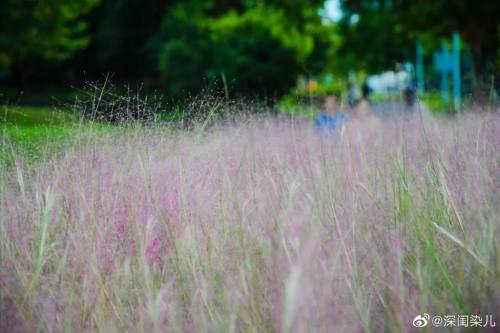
(256, 226)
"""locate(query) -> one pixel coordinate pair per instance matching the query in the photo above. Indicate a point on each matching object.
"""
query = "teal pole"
(419, 70)
(457, 85)
(444, 73)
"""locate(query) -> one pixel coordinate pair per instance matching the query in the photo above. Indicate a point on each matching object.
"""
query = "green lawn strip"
(31, 143)
(36, 143)
(29, 133)
(29, 115)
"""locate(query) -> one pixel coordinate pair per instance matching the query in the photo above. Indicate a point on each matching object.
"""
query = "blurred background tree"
(45, 30)
(257, 47)
(389, 28)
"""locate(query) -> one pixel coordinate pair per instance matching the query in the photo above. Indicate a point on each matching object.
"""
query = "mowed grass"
(31, 143)
(33, 133)
(257, 226)
(32, 116)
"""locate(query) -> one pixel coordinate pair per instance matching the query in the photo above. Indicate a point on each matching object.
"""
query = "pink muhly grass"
(261, 226)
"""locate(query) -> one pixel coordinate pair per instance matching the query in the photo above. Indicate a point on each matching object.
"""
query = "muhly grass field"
(262, 225)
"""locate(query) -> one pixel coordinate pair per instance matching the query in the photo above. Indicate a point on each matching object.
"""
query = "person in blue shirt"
(332, 119)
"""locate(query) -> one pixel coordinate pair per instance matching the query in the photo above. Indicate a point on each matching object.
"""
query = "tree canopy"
(257, 47)
(48, 29)
(389, 28)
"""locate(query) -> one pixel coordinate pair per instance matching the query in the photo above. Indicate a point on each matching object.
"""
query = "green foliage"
(121, 31)
(438, 106)
(434, 101)
(247, 47)
(49, 96)
(258, 48)
(47, 29)
(291, 104)
(372, 41)
(388, 29)
(29, 116)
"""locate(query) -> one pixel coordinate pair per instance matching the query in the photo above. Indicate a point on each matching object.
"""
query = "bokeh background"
(251, 48)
